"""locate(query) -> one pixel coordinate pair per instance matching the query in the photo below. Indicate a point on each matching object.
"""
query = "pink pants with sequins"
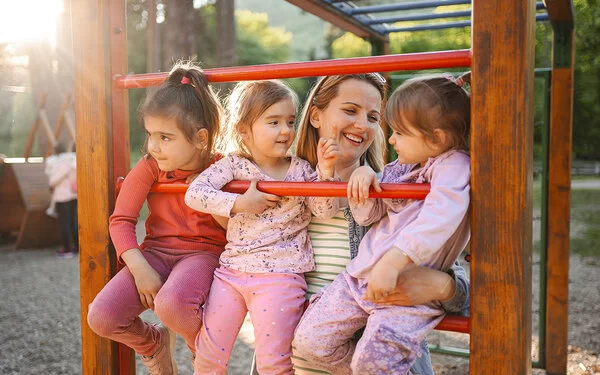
(275, 302)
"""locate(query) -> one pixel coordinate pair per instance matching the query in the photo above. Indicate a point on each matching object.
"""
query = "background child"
(430, 119)
(172, 270)
(268, 248)
(61, 169)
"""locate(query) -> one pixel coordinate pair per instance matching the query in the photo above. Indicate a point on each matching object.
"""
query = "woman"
(348, 108)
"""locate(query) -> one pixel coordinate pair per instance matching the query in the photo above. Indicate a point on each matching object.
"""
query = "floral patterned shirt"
(273, 241)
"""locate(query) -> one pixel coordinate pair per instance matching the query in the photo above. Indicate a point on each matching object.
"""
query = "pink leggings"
(275, 302)
(187, 277)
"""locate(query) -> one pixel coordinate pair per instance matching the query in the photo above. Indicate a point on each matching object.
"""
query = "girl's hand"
(384, 275)
(254, 201)
(359, 183)
(328, 152)
(148, 283)
(147, 280)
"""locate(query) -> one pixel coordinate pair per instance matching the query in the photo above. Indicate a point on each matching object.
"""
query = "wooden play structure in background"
(502, 62)
(24, 189)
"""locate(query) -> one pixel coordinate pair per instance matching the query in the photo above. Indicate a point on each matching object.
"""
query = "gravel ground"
(40, 319)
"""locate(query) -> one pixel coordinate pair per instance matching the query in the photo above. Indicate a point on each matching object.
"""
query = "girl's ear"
(201, 139)
(244, 131)
(314, 117)
(440, 139)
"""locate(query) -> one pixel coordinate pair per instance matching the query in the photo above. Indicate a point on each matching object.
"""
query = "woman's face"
(351, 118)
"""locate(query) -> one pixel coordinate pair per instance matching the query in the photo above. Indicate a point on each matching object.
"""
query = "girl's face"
(351, 118)
(272, 134)
(170, 147)
(413, 147)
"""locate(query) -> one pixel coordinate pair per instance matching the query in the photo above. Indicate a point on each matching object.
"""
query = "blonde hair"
(429, 103)
(323, 92)
(246, 103)
(186, 96)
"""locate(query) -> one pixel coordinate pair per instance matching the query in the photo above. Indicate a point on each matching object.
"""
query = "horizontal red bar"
(312, 189)
(454, 324)
(384, 63)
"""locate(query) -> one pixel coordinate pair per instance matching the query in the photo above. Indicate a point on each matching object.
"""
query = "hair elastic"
(185, 80)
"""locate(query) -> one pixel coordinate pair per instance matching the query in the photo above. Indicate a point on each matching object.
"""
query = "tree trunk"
(178, 33)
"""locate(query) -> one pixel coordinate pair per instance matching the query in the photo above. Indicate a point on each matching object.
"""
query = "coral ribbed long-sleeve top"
(170, 223)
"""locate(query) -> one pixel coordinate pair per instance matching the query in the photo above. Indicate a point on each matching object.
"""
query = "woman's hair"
(432, 102)
(246, 103)
(186, 97)
(323, 92)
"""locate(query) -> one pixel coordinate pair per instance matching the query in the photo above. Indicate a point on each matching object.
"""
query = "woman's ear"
(314, 117)
(440, 139)
(202, 139)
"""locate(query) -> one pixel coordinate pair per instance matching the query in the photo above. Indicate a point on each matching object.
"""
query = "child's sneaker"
(162, 362)
(62, 253)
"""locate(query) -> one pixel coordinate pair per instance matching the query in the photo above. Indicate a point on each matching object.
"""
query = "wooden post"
(559, 185)
(92, 90)
(120, 128)
(501, 181)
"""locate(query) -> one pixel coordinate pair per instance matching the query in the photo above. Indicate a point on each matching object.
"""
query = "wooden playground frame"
(502, 62)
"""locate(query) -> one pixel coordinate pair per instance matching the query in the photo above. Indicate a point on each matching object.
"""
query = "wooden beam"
(119, 141)
(501, 180)
(559, 196)
(333, 15)
(560, 11)
(92, 77)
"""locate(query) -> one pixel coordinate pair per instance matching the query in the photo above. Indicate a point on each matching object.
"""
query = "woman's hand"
(147, 281)
(254, 201)
(418, 285)
(360, 182)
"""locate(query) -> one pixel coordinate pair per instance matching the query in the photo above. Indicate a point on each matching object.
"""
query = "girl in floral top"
(268, 248)
(430, 119)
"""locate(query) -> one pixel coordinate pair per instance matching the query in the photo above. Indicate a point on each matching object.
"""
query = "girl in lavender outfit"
(268, 247)
(430, 118)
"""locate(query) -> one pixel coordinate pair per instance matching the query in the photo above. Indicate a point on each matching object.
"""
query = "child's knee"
(102, 319)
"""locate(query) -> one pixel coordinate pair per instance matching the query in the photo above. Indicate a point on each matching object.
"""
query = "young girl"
(268, 248)
(430, 118)
(172, 270)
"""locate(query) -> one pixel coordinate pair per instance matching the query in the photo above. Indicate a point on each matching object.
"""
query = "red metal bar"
(387, 63)
(309, 189)
(454, 324)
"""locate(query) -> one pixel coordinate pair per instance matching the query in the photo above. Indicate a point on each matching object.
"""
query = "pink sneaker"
(162, 362)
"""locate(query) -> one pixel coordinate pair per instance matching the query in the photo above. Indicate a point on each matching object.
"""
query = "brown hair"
(246, 103)
(323, 92)
(432, 102)
(186, 97)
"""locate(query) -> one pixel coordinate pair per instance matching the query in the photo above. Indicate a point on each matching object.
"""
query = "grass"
(585, 219)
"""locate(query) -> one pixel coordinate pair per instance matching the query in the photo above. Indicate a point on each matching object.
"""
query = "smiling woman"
(22, 21)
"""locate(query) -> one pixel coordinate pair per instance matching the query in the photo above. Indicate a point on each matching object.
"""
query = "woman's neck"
(344, 169)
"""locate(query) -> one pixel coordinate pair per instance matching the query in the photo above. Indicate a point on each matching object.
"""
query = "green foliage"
(257, 43)
(586, 106)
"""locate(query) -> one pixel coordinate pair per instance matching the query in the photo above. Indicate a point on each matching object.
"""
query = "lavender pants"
(390, 343)
(187, 277)
(275, 302)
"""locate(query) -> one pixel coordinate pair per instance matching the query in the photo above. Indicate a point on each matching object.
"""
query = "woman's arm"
(418, 285)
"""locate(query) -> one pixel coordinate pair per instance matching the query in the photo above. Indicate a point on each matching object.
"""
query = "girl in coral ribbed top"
(172, 270)
(268, 248)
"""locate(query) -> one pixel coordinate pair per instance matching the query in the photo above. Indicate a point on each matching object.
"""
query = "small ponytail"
(186, 96)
